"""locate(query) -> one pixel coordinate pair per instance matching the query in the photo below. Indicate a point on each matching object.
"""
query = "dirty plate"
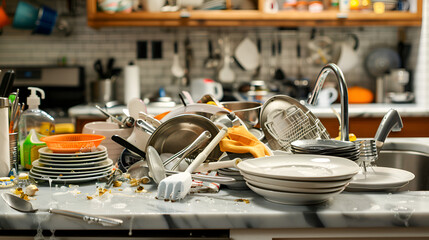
(380, 178)
(301, 167)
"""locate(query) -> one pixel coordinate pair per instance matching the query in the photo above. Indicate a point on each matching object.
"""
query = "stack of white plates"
(329, 147)
(298, 179)
(71, 167)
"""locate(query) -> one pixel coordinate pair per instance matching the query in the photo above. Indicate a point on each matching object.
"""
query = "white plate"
(381, 178)
(292, 198)
(62, 176)
(70, 172)
(71, 162)
(71, 165)
(294, 189)
(84, 179)
(48, 152)
(102, 164)
(297, 184)
(301, 167)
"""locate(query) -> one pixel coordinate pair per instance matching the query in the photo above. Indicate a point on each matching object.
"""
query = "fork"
(177, 186)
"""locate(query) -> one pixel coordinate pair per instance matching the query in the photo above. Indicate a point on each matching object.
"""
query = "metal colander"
(288, 125)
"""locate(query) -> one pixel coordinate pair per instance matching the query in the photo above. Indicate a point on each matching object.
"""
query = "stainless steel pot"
(103, 91)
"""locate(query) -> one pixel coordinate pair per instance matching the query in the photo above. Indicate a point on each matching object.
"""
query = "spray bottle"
(34, 123)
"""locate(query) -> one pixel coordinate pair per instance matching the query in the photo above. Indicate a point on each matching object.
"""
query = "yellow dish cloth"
(240, 140)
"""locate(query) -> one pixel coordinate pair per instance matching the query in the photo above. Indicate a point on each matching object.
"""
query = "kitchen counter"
(227, 210)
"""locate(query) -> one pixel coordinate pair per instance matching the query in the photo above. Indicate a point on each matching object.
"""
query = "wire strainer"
(288, 125)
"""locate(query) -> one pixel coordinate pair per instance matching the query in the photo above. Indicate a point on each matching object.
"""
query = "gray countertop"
(222, 210)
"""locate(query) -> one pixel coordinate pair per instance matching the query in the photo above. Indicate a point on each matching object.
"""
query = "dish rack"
(288, 125)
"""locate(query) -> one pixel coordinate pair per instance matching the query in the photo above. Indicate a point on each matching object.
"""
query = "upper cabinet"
(236, 18)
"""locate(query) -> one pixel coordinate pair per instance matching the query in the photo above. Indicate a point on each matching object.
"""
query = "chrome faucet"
(330, 67)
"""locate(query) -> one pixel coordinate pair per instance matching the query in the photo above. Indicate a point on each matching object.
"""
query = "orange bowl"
(70, 143)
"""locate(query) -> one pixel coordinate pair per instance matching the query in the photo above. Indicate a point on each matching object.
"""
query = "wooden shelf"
(200, 18)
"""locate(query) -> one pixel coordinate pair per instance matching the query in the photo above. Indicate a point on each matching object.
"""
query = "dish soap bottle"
(34, 123)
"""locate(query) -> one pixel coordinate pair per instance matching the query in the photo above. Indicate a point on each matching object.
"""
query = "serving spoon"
(22, 205)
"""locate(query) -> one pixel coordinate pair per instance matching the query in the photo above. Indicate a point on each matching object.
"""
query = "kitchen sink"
(414, 161)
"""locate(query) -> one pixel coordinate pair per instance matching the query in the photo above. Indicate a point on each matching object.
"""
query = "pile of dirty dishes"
(328, 147)
(298, 179)
(240, 183)
(71, 167)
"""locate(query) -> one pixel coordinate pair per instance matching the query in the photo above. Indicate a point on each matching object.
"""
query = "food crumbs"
(242, 200)
(134, 182)
(139, 189)
(25, 196)
(117, 183)
(89, 197)
(18, 191)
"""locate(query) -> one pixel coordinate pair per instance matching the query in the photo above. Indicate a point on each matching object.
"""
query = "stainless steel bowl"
(248, 112)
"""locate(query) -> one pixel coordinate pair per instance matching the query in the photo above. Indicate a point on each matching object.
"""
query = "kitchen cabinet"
(235, 18)
(366, 127)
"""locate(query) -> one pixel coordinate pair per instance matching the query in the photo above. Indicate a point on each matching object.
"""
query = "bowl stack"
(298, 179)
(327, 147)
(71, 167)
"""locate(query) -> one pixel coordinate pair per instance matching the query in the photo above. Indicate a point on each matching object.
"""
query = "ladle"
(22, 205)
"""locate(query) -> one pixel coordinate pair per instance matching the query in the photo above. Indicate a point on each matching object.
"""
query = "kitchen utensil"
(140, 169)
(143, 125)
(202, 138)
(177, 186)
(68, 143)
(205, 167)
(153, 5)
(113, 118)
(284, 120)
(178, 132)
(347, 56)
(319, 49)
(246, 55)
(22, 205)
(103, 91)
(258, 68)
(176, 69)
(279, 74)
(128, 145)
(149, 119)
(214, 57)
(7, 83)
(226, 75)
(381, 60)
(205, 110)
(248, 112)
(154, 162)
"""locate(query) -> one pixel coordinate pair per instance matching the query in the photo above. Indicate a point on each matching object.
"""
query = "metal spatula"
(22, 205)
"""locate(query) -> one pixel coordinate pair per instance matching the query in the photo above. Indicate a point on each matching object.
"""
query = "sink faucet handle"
(391, 122)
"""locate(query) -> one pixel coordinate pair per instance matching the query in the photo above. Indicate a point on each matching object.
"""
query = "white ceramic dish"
(294, 189)
(50, 163)
(70, 172)
(300, 167)
(77, 160)
(292, 198)
(76, 180)
(48, 152)
(70, 176)
(297, 184)
(100, 165)
(381, 178)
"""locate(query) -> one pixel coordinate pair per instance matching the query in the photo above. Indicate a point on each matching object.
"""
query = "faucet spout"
(343, 95)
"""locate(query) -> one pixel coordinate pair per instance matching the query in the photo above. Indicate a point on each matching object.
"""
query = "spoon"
(22, 205)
